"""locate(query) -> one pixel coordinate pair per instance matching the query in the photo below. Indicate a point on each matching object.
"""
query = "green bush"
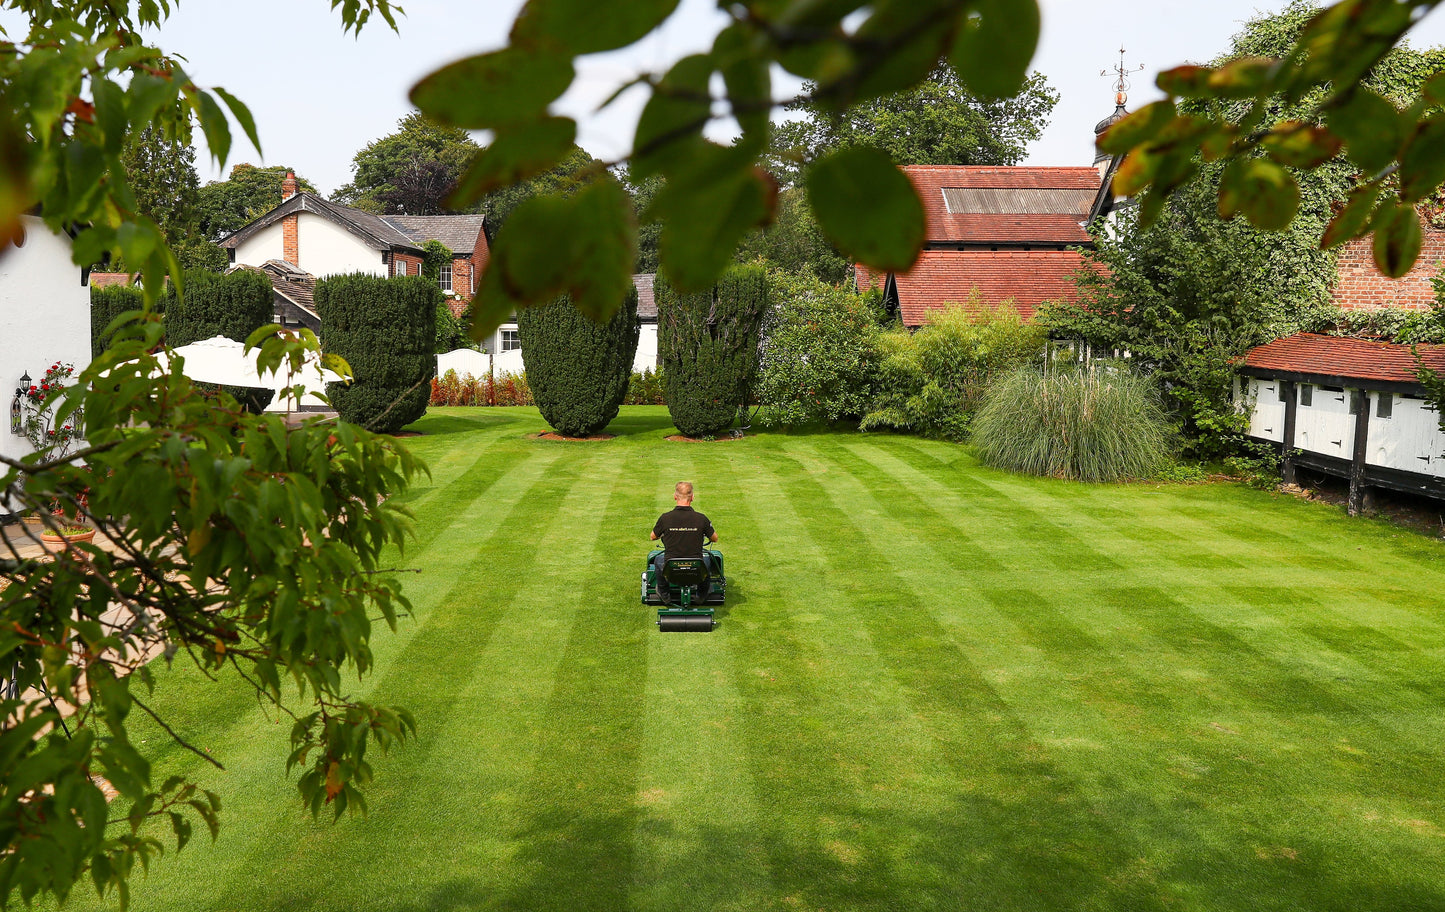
(578, 370)
(820, 353)
(1093, 424)
(707, 346)
(932, 381)
(233, 305)
(107, 303)
(646, 388)
(386, 331)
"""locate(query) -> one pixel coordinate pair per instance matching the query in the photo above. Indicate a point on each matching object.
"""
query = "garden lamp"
(17, 424)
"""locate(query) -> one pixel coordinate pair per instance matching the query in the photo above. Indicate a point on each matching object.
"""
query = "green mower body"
(685, 591)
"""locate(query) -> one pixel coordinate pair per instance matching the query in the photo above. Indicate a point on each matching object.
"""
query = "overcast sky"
(319, 96)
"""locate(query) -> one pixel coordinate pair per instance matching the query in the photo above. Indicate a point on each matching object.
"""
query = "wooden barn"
(1351, 408)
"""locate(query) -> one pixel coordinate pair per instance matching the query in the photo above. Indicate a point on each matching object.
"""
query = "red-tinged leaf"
(1300, 145)
(867, 208)
(1260, 189)
(1137, 128)
(1397, 239)
(1422, 163)
(334, 781)
(1353, 218)
(1371, 128)
(1134, 173)
(1245, 77)
(1190, 80)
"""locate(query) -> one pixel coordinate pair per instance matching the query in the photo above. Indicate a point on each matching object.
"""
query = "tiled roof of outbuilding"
(1012, 205)
(1334, 356)
(458, 232)
(949, 276)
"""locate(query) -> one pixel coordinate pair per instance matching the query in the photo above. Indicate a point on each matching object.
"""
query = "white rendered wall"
(325, 248)
(646, 349)
(44, 316)
(264, 245)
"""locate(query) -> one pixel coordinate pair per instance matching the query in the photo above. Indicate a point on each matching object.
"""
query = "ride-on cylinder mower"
(684, 591)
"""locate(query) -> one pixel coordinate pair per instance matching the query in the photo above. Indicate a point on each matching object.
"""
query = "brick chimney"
(288, 186)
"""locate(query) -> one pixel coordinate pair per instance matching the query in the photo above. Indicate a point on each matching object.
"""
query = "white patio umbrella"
(225, 362)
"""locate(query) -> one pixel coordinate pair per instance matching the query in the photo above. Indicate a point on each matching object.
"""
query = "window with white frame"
(511, 340)
(444, 278)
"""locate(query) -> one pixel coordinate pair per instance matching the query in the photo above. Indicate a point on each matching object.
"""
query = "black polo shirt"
(683, 531)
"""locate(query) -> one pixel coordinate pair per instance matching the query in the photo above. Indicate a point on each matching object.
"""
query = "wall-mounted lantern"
(17, 421)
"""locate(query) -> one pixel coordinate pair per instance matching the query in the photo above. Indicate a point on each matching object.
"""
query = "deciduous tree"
(409, 172)
(249, 193)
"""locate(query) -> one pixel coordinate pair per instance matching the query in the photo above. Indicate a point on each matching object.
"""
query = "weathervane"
(1121, 79)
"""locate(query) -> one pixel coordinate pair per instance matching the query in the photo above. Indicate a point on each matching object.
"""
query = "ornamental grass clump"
(1101, 425)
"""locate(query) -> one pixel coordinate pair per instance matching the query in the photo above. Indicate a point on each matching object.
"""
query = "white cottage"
(1347, 407)
(44, 316)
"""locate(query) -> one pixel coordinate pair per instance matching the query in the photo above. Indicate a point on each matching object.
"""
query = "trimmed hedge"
(707, 348)
(233, 305)
(386, 331)
(578, 370)
(107, 303)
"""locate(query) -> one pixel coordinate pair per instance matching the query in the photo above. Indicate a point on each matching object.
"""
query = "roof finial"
(1121, 80)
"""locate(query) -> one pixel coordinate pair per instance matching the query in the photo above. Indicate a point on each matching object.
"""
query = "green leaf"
(1352, 219)
(703, 220)
(584, 245)
(1137, 128)
(915, 34)
(243, 117)
(1370, 127)
(1260, 189)
(993, 50)
(1300, 145)
(494, 90)
(670, 128)
(214, 125)
(1244, 77)
(867, 208)
(1397, 239)
(517, 153)
(748, 81)
(1190, 80)
(1434, 90)
(1422, 164)
(587, 26)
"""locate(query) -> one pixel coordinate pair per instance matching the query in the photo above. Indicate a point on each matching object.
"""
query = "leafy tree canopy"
(162, 172)
(409, 172)
(939, 121)
(249, 193)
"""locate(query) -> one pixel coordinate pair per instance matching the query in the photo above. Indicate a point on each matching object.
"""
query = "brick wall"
(413, 264)
(1363, 287)
(290, 246)
(462, 276)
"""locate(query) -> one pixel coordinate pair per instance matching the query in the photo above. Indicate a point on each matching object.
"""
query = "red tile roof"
(1333, 356)
(103, 279)
(949, 276)
(1044, 227)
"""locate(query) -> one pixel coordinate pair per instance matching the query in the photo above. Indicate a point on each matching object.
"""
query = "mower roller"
(684, 591)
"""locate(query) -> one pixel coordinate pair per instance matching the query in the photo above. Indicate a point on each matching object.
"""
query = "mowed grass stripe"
(698, 842)
(885, 808)
(485, 721)
(997, 755)
(416, 668)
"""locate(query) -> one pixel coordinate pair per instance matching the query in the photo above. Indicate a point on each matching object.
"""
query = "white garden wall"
(44, 316)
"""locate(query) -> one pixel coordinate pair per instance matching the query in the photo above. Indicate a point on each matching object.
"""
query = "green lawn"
(935, 686)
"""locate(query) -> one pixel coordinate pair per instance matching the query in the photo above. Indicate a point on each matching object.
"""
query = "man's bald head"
(682, 493)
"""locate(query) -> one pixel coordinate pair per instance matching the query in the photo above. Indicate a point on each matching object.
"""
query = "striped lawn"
(935, 686)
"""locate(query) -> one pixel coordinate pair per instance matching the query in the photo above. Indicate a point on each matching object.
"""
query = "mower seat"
(685, 571)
